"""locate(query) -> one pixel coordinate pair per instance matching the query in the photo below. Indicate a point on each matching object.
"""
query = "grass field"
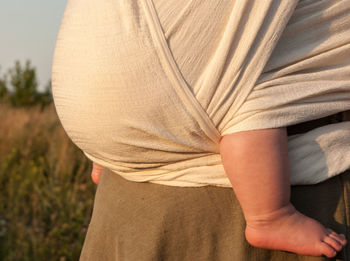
(46, 194)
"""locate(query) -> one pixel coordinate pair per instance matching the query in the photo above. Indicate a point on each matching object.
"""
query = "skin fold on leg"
(256, 163)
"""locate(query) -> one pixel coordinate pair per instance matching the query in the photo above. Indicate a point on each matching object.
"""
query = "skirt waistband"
(309, 125)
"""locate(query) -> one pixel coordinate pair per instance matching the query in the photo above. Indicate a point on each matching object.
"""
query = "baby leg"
(257, 165)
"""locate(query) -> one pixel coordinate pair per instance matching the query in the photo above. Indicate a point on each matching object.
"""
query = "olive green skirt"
(145, 221)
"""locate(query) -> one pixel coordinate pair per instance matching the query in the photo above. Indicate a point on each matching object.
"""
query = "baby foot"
(289, 230)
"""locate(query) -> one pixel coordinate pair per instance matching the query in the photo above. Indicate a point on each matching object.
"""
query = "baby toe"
(327, 250)
(340, 237)
(334, 243)
(343, 239)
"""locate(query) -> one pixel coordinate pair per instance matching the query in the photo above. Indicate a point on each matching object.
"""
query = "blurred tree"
(21, 87)
(3, 88)
(45, 97)
(24, 83)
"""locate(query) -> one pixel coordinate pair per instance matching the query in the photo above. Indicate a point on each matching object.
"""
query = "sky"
(28, 31)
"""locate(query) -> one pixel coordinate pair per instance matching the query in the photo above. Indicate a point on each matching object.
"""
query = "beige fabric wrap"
(147, 88)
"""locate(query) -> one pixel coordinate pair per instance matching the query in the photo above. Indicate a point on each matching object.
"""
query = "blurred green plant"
(46, 194)
(19, 87)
